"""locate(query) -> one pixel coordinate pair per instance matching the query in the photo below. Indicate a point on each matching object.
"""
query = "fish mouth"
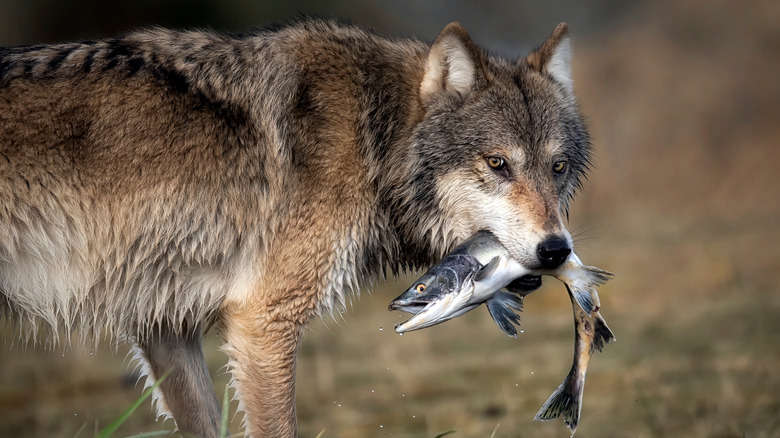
(413, 307)
(417, 308)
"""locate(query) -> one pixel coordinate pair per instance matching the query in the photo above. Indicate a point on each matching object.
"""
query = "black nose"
(553, 251)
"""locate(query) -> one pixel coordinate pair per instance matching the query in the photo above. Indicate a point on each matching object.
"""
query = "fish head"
(424, 291)
(448, 276)
(442, 293)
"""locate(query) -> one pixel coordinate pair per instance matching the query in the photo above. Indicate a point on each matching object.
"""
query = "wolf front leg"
(262, 354)
(187, 392)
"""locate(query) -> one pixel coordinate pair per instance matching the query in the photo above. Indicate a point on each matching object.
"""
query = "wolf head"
(501, 147)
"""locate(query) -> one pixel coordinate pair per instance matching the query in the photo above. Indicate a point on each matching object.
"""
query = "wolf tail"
(565, 402)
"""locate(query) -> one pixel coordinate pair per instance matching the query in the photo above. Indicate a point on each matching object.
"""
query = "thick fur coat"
(156, 183)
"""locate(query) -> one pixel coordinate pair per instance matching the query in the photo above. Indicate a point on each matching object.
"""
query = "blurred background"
(683, 100)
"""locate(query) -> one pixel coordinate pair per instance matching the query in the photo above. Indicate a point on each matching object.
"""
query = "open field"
(700, 362)
(682, 205)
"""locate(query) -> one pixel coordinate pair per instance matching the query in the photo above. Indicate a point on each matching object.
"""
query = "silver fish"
(474, 273)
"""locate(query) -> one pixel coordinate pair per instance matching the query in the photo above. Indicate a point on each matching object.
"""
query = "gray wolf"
(160, 182)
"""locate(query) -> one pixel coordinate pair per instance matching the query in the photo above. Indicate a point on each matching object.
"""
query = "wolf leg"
(262, 360)
(187, 392)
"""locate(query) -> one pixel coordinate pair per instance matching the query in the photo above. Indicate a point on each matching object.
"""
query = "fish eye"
(559, 167)
(496, 163)
(420, 288)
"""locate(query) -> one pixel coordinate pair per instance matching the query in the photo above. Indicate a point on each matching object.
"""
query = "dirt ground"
(684, 102)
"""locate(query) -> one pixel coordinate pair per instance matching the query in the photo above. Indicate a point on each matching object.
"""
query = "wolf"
(163, 181)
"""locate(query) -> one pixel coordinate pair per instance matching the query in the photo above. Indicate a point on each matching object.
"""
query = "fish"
(591, 333)
(474, 273)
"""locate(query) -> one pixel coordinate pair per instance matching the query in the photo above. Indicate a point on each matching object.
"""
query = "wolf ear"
(554, 57)
(453, 64)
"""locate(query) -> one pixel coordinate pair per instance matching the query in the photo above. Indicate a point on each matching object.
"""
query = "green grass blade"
(111, 428)
(493, 435)
(223, 426)
(320, 435)
(449, 432)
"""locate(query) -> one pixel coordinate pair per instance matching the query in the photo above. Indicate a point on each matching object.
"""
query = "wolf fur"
(156, 183)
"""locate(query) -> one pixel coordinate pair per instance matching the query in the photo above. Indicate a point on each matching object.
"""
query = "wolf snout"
(553, 252)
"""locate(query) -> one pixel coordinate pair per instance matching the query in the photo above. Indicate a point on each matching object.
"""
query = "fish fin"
(582, 297)
(602, 334)
(597, 275)
(565, 403)
(503, 307)
(487, 270)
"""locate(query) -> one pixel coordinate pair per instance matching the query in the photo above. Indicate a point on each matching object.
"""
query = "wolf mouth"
(525, 284)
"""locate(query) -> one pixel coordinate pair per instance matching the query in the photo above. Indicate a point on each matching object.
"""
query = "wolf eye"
(420, 288)
(496, 163)
(559, 167)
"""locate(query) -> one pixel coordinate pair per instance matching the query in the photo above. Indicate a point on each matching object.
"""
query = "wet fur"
(164, 180)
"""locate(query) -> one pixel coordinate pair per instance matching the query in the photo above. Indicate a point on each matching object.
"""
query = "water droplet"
(380, 329)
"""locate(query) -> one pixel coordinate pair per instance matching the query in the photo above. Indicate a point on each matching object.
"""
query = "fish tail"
(602, 334)
(565, 402)
(582, 297)
(504, 308)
